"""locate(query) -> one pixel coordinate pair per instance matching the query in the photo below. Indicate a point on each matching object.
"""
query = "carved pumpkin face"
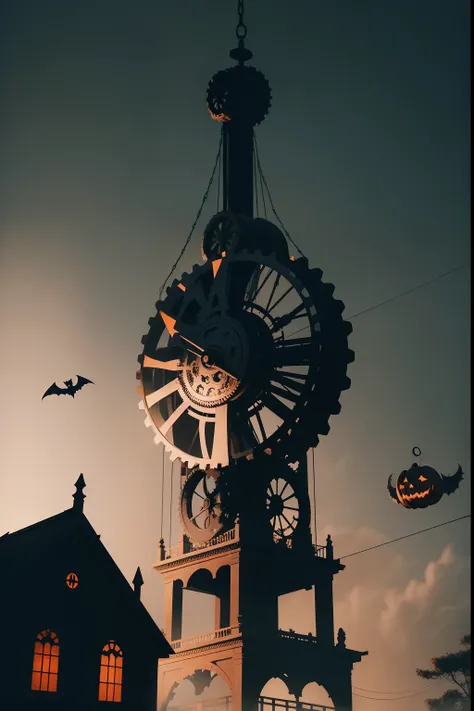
(419, 487)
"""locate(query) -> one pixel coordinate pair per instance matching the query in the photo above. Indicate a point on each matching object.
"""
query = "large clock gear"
(223, 375)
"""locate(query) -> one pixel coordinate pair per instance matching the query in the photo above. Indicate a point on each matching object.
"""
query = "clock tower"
(242, 367)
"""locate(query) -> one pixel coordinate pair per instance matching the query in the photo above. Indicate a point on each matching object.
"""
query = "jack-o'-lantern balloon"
(422, 486)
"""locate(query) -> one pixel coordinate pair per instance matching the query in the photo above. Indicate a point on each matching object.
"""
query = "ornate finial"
(137, 582)
(341, 638)
(329, 548)
(239, 93)
(162, 549)
(78, 495)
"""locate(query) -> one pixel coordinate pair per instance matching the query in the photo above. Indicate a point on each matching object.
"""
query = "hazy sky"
(106, 150)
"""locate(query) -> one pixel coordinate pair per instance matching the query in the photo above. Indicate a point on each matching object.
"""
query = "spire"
(239, 97)
(137, 582)
(78, 495)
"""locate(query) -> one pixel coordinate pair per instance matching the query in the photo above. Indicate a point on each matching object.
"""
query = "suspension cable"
(255, 180)
(162, 490)
(314, 502)
(259, 183)
(219, 174)
(171, 503)
(188, 239)
(262, 175)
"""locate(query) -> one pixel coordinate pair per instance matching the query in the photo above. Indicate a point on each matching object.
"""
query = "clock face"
(246, 354)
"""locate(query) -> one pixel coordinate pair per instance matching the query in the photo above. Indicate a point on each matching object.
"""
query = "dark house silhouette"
(75, 635)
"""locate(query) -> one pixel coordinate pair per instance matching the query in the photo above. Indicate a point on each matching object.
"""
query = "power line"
(409, 535)
(395, 698)
(372, 691)
(409, 291)
(394, 298)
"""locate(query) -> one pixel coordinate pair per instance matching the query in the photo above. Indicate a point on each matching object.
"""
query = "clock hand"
(170, 324)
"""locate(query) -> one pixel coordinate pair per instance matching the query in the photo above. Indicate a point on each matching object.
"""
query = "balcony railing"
(320, 551)
(187, 546)
(265, 703)
(202, 639)
(291, 634)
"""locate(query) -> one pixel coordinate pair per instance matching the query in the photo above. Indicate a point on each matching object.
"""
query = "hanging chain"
(241, 29)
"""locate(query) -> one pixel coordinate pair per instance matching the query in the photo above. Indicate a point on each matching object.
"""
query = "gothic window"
(45, 662)
(72, 581)
(111, 668)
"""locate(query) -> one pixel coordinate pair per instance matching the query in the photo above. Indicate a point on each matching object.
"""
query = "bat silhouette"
(70, 389)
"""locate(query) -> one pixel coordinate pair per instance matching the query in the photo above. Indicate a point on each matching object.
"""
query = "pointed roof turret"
(79, 495)
(137, 582)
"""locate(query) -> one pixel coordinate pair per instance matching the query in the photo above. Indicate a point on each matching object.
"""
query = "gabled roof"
(73, 525)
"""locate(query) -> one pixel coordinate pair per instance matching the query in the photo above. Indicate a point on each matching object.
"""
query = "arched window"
(111, 668)
(45, 662)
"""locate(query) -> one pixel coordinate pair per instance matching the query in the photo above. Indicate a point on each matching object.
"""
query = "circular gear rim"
(335, 354)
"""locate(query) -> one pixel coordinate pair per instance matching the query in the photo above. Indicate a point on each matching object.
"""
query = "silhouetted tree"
(455, 666)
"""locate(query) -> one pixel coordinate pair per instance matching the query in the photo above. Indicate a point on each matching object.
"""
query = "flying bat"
(70, 389)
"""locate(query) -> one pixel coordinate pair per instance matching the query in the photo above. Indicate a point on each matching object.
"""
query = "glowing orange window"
(72, 581)
(45, 662)
(111, 668)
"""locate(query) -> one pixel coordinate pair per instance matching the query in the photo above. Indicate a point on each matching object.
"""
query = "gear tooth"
(141, 405)
(346, 384)
(158, 305)
(148, 422)
(348, 328)
(317, 273)
(335, 409)
(329, 291)
(338, 304)
(156, 438)
(144, 340)
(350, 356)
(301, 263)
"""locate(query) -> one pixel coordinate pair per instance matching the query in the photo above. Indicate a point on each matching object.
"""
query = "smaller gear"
(207, 386)
(200, 507)
(222, 234)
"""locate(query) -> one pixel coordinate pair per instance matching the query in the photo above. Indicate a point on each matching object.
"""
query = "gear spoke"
(163, 392)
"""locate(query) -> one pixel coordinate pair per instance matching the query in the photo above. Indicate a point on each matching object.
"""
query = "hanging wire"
(260, 181)
(162, 489)
(409, 535)
(371, 691)
(394, 298)
(262, 175)
(409, 291)
(314, 502)
(395, 698)
(171, 503)
(188, 239)
(255, 179)
(219, 181)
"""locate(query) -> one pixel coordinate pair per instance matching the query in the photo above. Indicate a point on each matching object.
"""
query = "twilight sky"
(107, 147)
